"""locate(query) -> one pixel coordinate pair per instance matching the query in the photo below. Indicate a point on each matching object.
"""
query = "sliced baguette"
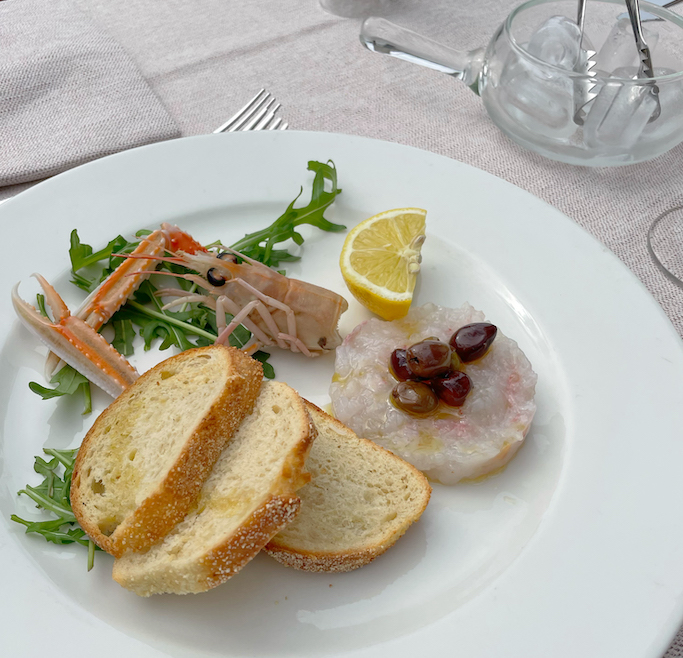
(143, 462)
(360, 500)
(248, 498)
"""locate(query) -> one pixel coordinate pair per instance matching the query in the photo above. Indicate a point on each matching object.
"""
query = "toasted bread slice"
(142, 464)
(248, 498)
(360, 500)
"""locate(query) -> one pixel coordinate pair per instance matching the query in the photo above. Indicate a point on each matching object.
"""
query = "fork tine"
(240, 125)
(263, 123)
(255, 115)
(275, 124)
(240, 114)
(252, 125)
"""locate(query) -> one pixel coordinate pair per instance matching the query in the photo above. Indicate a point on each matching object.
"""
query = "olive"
(452, 390)
(414, 398)
(215, 278)
(398, 365)
(429, 358)
(472, 341)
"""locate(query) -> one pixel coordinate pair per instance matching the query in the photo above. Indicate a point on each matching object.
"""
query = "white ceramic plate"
(575, 550)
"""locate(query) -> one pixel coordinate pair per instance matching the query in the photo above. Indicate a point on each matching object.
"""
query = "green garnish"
(40, 300)
(68, 382)
(260, 245)
(52, 495)
(123, 336)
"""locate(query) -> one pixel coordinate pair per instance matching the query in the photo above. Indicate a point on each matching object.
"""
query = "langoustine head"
(298, 309)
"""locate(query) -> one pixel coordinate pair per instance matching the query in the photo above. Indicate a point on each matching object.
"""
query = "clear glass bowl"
(532, 101)
(532, 84)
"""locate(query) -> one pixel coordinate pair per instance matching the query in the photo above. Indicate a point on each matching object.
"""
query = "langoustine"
(280, 311)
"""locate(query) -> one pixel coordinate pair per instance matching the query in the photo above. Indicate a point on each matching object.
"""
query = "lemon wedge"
(380, 260)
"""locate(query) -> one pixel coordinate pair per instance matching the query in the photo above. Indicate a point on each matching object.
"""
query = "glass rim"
(656, 10)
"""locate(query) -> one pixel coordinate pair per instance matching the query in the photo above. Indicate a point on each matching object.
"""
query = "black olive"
(428, 358)
(414, 398)
(215, 278)
(398, 366)
(472, 341)
(452, 390)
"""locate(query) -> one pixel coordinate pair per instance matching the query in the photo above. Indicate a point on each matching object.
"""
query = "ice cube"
(538, 97)
(619, 48)
(620, 112)
(556, 42)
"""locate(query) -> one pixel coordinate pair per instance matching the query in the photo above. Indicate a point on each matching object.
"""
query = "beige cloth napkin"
(69, 93)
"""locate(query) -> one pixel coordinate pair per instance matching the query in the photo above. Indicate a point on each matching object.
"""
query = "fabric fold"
(69, 93)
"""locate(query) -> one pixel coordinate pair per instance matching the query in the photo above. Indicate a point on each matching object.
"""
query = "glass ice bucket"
(536, 85)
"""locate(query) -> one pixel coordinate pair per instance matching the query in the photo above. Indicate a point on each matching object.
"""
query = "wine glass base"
(665, 244)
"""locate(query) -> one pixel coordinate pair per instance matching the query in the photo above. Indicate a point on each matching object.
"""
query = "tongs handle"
(633, 7)
(581, 16)
(646, 69)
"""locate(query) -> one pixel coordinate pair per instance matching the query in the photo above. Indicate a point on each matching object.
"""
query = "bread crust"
(158, 514)
(341, 561)
(224, 558)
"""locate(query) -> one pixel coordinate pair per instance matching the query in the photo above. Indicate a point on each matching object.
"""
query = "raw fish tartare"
(452, 443)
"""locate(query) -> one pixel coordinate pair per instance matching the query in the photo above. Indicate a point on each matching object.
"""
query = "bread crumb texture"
(248, 498)
(142, 464)
(360, 500)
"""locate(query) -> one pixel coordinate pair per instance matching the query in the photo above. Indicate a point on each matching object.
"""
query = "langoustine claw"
(75, 342)
(101, 304)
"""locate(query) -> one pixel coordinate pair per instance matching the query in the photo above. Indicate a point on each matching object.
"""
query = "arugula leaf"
(268, 370)
(82, 255)
(52, 495)
(260, 244)
(68, 382)
(40, 300)
(83, 282)
(123, 336)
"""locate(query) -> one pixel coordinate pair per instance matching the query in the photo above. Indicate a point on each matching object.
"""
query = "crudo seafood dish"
(466, 436)
(207, 459)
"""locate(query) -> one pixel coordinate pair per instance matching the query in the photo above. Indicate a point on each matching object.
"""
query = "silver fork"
(257, 114)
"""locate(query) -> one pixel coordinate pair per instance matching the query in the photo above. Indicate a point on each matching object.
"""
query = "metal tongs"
(646, 69)
(584, 88)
